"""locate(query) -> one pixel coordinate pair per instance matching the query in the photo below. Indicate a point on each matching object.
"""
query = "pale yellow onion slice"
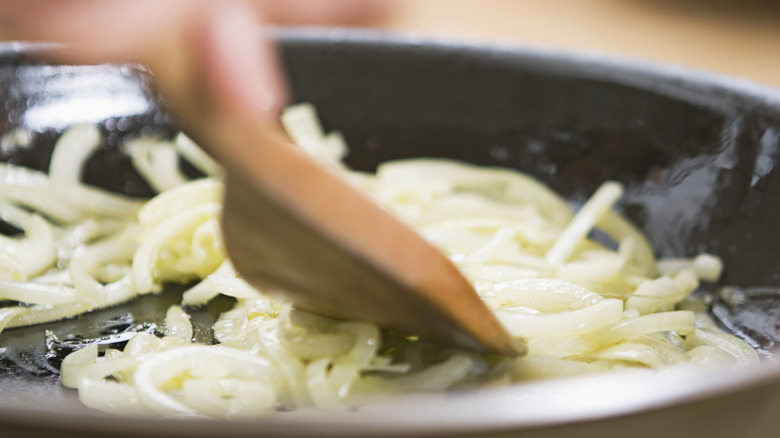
(567, 323)
(545, 367)
(71, 152)
(116, 292)
(63, 202)
(37, 293)
(586, 218)
(177, 324)
(13, 215)
(544, 294)
(681, 321)
(196, 156)
(158, 371)
(157, 162)
(631, 352)
(168, 203)
(742, 353)
(148, 253)
(37, 251)
(436, 377)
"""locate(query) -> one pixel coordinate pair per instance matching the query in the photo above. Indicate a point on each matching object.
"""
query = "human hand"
(219, 41)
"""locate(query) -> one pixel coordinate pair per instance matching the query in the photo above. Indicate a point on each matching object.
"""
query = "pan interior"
(697, 155)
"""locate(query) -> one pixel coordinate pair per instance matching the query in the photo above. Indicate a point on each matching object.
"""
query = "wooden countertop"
(735, 37)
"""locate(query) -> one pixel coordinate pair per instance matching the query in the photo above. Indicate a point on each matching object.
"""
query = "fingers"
(215, 43)
(107, 25)
(322, 12)
(240, 63)
(97, 30)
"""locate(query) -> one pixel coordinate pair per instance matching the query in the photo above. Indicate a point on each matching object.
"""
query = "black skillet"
(697, 153)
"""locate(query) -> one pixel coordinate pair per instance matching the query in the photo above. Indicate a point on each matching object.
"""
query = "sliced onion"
(568, 323)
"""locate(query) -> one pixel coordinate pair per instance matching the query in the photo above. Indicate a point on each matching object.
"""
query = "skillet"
(696, 151)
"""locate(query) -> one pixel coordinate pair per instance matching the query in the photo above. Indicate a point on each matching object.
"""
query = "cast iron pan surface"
(697, 153)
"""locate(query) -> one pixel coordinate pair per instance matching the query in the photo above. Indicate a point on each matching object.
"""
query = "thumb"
(221, 64)
(240, 63)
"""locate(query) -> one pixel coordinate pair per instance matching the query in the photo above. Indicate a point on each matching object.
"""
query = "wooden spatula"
(293, 227)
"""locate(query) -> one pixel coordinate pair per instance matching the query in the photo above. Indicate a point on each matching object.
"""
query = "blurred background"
(735, 37)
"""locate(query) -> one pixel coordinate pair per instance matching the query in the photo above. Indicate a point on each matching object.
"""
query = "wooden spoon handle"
(294, 227)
